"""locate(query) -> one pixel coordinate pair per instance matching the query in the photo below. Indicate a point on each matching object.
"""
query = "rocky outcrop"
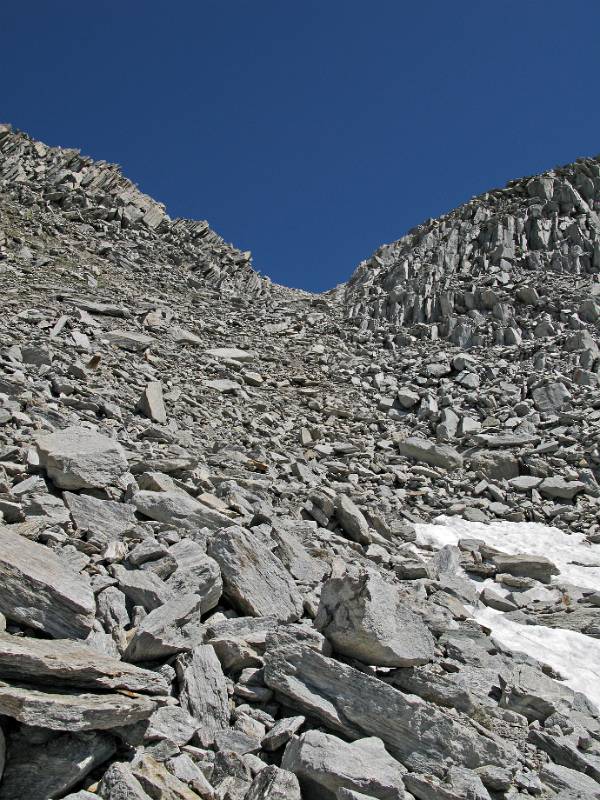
(217, 573)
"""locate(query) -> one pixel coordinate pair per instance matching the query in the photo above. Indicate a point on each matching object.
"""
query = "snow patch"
(573, 655)
(577, 560)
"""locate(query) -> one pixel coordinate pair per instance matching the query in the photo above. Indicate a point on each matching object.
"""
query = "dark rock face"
(213, 576)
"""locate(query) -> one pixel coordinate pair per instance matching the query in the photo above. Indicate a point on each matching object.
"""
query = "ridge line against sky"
(310, 134)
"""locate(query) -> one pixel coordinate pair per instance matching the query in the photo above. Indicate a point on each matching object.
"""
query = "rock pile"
(214, 575)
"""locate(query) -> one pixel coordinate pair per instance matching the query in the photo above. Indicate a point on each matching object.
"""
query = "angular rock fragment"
(40, 590)
(63, 663)
(143, 588)
(357, 705)
(233, 353)
(254, 580)
(158, 782)
(119, 783)
(365, 618)
(168, 629)
(522, 565)
(273, 783)
(72, 711)
(101, 521)
(324, 764)
(437, 455)
(38, 771)
(129, 340)
(196, 573)
(78, 458)
(178, 508)
(352, 520)
(203, 690)
(151, 404)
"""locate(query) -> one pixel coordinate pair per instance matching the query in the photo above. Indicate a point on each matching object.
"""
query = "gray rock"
(129, 340)
(281, 733)
(63, 663)
(352, 520)
(143, 588)
(196, 573)
(176, 508)
(158, 782)
(356, 705)
(365, 618)
(324, 764)
(558, 487)
(254, 580)
(495, 465)
(172, 628)
(78, 458)
(273, 783)
(151, 404)
(101, 521)
(437, 455)
(172, 723)
(233, 353)
(550, 398)
(203, 690)
(40, 590)
(38, 771)
(525, 566)
(529, 692)
(72, 711)
(459, 785)
(119, 783)
(569, 784)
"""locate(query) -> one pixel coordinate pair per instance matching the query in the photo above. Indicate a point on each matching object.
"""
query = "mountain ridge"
(260, 543)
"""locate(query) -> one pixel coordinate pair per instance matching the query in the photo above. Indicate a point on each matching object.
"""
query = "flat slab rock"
(203, 690)
(64, 663)
(176, 507)
(78, 458)
(72, 711)
(436, 455)
(254, 580)
(129, 340)
(233, 353)
(350, 702)
(40, 590)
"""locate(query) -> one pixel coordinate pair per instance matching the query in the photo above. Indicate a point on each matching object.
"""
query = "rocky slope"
(217, 572)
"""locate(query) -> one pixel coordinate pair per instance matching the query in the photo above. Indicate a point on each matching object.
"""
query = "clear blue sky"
(309, 132)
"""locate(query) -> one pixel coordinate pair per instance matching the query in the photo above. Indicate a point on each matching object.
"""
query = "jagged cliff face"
(257, 543)
(487, 272)
(95, 201)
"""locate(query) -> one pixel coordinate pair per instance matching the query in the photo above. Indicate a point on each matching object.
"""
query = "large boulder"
(42, 591)
(365, 618)
(355, 704)
(78, 458)
(255, 581)
(324, 763)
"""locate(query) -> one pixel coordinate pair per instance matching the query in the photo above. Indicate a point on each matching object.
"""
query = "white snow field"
(573, 655)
